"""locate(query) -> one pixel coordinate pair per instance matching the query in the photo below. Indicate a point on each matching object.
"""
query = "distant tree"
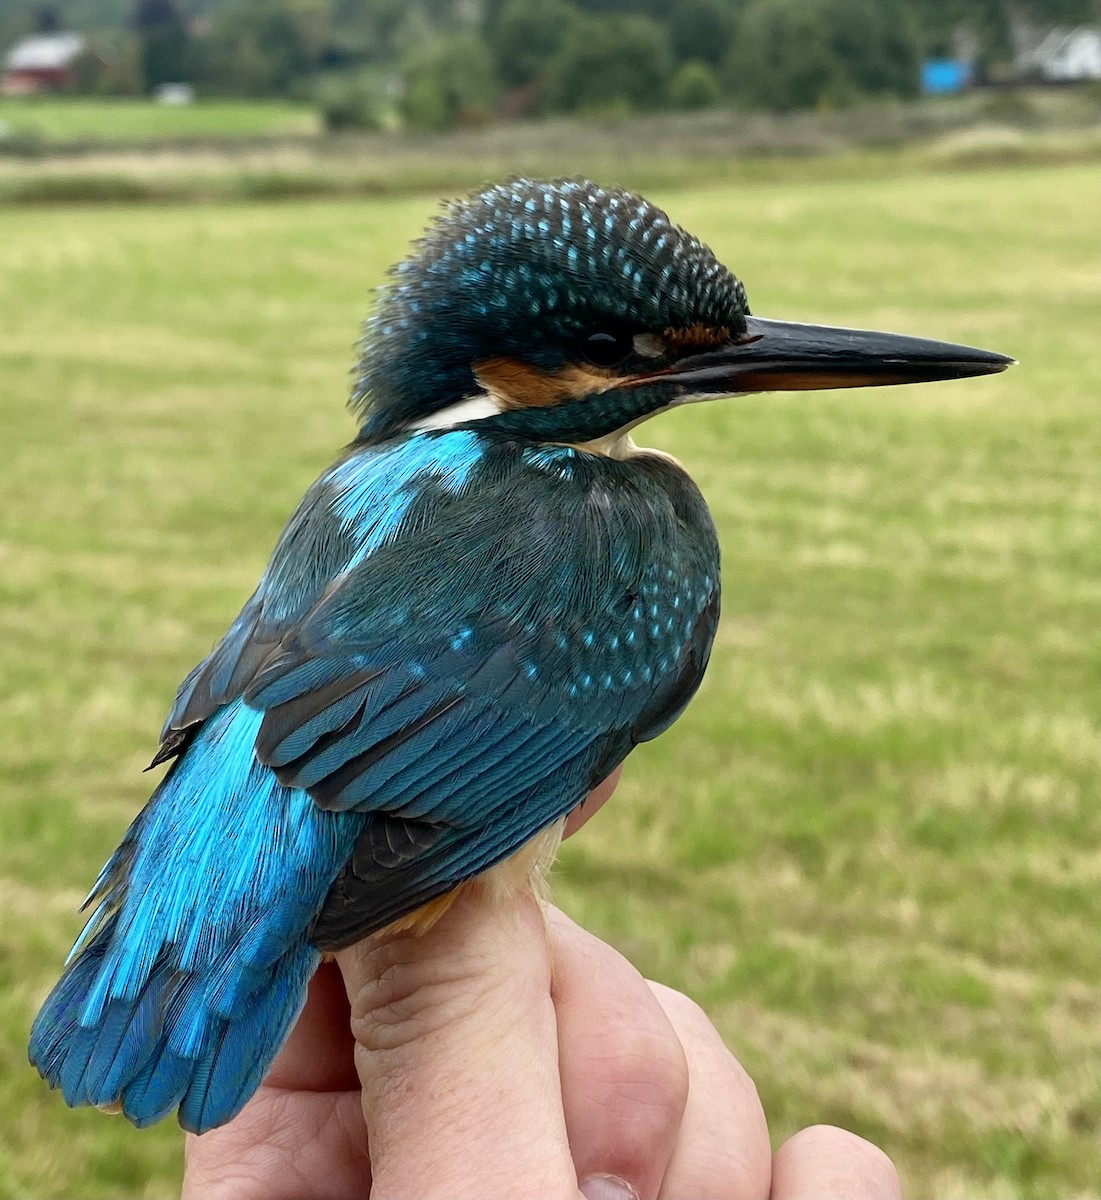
(802, 53)
(367, 32)
(47, 19)
(1067, 11)
(449, 82)
(694, 85)
(163, 42)
(491, 14)
(659, 10)
(700, 29)
(526, 35)
(611, 62)
(780, 58)
(313, 21)
(122, 71)
(876, 42)
(351, 102)
(988, 21)
(260, 47)
(939, 17)
(449, 14)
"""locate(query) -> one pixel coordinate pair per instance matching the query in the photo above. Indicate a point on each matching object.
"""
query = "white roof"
(44, 52)
(1057, 41)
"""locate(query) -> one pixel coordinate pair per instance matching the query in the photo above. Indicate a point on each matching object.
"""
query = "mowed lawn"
(872, 848)
(127, 119)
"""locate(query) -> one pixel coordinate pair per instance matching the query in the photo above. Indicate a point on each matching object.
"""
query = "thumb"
(456, 1049)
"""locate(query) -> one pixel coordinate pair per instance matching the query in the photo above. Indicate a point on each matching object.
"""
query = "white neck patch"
(471, 408)
(617, 444)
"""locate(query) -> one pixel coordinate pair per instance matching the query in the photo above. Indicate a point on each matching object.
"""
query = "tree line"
(444, 63)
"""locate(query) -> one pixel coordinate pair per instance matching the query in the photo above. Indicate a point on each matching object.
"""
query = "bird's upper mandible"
(566, 312)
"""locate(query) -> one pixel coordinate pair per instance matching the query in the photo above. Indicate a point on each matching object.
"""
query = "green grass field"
(82, 118)
(871, 848)
(91, 150)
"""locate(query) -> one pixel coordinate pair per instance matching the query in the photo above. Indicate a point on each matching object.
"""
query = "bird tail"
(195, 960)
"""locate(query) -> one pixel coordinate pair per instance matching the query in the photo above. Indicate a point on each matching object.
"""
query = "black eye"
(605, 348)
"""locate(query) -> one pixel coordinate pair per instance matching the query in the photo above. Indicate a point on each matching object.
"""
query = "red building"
(43, 63)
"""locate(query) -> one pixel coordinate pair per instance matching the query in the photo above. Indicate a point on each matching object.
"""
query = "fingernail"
(607, 1187)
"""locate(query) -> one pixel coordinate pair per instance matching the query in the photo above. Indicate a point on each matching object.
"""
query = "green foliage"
(258, 48)
(791, 54)
(780, 59)
(151, 14)
(360, 32)
(526, 36)
(695, 85)
(611, 64)
(163, 43)
(877, 44)
(561, 55)
(47, 18)
(700, 30)
(351, 104)
(989, 20)
(448, 83)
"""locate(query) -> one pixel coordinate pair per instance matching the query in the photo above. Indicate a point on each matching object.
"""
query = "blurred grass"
(871, 846)
(653, 151)
(68, 119)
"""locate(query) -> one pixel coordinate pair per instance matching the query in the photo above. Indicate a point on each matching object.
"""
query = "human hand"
(508, 1053)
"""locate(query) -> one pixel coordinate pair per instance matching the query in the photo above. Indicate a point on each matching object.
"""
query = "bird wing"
(460, 636)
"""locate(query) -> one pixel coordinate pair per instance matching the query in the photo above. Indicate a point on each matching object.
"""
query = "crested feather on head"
(518, 272)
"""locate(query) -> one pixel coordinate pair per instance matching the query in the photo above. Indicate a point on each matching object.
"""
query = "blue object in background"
(945, 76)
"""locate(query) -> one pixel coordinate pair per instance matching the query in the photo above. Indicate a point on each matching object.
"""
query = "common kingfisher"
(471, 619)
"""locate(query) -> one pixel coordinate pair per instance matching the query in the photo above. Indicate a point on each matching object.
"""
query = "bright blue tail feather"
(195, 961)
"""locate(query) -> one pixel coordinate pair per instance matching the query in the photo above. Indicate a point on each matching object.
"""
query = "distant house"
(46, 62)
(1061, 55)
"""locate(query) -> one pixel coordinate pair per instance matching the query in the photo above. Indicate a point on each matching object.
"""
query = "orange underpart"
(422, 920)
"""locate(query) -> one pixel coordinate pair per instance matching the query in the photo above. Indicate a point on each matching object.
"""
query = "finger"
(282, 1146)
(624, 1075)
(319, 1054)
(825, 1163)
(593, 803)
(723, 1150)
(457, 1053)
(302, 1133)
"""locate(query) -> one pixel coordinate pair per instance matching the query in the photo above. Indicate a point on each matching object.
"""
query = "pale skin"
(508, 1054)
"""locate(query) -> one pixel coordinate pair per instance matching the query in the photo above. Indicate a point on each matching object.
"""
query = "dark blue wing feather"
(462, 635)
(456, 637)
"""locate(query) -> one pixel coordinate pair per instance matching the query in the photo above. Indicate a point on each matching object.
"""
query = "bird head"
(568, 312)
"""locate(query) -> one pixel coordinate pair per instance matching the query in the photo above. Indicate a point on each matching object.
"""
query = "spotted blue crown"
(521, 270)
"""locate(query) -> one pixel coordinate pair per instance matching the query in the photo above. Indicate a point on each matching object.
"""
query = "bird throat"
(596, 419)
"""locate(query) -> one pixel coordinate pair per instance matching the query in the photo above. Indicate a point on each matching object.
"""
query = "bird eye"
(603, 348)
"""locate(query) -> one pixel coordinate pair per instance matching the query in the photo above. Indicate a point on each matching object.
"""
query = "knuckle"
(693, 1024)
(683, 1011)
(696, 1028)
(645, 1087)
(401, 996)
(860, 1157)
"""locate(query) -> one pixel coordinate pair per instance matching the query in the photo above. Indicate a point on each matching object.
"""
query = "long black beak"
(778, 356)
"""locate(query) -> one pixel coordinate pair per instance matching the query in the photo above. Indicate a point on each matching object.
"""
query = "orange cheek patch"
(518, 385)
